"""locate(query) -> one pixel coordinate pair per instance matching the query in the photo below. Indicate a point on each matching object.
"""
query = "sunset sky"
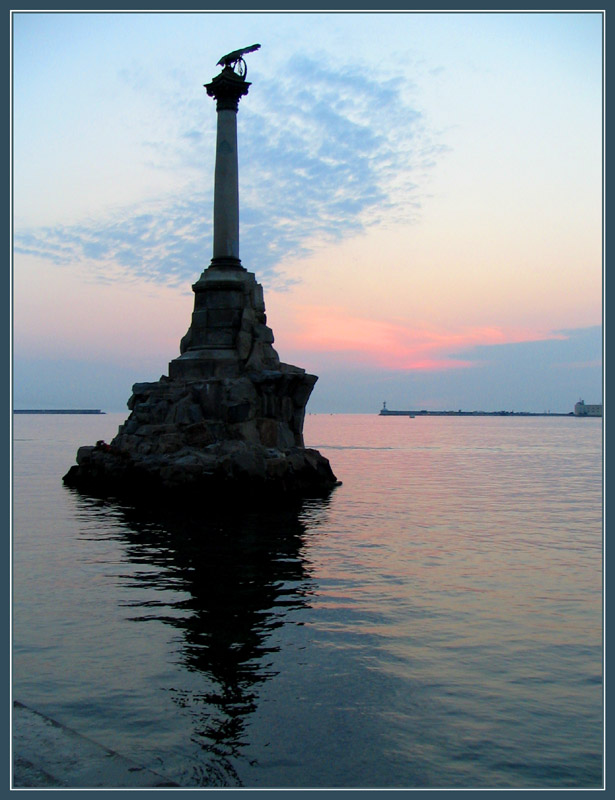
(420, 196)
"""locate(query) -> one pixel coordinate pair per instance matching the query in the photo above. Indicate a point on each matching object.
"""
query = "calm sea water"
(436, 623)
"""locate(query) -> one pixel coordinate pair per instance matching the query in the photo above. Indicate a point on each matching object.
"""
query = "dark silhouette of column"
(227, 88)
(227, 389)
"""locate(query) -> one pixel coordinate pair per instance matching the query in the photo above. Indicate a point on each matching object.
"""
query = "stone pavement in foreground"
(47, 754)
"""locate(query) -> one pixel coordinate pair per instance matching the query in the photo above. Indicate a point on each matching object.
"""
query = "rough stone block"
(297, 421)
(241, 412)
(263, 334)
(130, 426)
(243, 343)
(191, 369)
(224, 299)
(185, 341)
(187, 459)
(224, 318)
(152, 430)
(276, 467)
(219, 337)
(301, 389)
(140, 415)
(319, 464)
(287, 409)
(200, 300)
(268, 406)
(285, 437)
(209, 398)
(226, 369)
(268, 432)
(258, 300)
(169, 443)
(262, 357)
(144, 388)
(153, 411)
(84, 454)
(265, 376)
(200, 318)
(271, 359)
(204, 458)
(275, 434)
(248, 320)
(144, 447)
(126, 443)
(240, 390)
(198, 338)
(245, 431)
(249, 463)
(203, 434)
(179, 474)
(296, 460)
(185, 412)
(292, 369)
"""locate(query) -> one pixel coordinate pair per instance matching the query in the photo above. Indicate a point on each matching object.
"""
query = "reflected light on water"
(435, 623)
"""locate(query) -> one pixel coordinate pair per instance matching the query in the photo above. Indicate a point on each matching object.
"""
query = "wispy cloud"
(157, 241)
(323, 154)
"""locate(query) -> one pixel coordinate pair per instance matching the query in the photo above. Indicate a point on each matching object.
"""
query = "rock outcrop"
(228, 419)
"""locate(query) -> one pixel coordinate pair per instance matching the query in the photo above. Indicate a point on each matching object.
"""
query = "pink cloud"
(397, 345)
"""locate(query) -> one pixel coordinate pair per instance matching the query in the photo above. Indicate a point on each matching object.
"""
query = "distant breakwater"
(391, 413)
(57, 411)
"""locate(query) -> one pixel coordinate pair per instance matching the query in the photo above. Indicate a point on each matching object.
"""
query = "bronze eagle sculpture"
(235, 59)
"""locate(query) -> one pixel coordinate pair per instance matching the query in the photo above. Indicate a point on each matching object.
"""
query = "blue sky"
(420, 195)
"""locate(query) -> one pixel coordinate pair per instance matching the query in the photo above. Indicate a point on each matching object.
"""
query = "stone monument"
(229, 416)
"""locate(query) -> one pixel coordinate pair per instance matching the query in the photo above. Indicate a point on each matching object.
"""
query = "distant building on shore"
(582, 410)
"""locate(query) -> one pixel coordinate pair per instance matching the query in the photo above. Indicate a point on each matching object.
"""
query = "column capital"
(227, 88)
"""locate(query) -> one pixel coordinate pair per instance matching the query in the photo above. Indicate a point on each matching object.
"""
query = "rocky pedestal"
(228, 419)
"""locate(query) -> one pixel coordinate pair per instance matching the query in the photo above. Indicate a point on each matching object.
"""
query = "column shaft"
(227, 88)
(226, 193)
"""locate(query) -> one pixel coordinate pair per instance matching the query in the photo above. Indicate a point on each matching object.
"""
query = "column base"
(205, 363)
(226, 262)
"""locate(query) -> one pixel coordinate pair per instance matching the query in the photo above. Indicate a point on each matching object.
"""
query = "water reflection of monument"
(226, 584)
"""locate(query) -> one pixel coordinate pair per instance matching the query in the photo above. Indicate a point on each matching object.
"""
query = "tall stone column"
(227, 88)
(229, 311)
